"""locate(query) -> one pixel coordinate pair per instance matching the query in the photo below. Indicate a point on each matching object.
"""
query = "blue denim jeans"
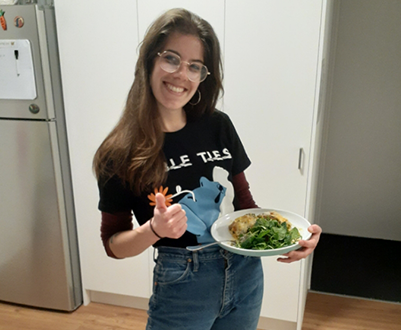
(211, 289)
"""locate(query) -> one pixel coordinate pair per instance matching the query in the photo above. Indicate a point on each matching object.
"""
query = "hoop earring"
(200, 96)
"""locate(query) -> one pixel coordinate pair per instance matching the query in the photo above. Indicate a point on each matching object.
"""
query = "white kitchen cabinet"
(271, 58)
(98, 51)
(271, 70)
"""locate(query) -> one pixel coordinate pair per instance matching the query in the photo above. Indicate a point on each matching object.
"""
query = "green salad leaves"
(268, 234)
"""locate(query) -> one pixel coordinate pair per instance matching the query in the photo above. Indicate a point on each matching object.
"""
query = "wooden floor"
(323, 312)
(329, 312)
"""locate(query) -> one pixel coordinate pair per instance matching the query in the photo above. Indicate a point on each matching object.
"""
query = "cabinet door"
(271, 54)
(98, 56)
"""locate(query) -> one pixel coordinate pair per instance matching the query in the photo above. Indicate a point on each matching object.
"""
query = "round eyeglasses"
(171, 62)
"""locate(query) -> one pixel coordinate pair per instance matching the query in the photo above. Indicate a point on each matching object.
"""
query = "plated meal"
(260, 232)
(264, 231)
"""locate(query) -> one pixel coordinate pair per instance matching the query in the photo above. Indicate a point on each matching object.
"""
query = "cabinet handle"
(301, 152)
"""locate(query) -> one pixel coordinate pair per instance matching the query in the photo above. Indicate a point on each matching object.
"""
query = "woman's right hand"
(169, 221)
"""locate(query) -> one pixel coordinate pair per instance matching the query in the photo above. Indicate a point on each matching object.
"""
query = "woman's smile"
(174, 88)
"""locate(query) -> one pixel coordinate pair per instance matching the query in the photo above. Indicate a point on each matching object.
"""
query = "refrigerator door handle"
(44, 54)
(61, 206)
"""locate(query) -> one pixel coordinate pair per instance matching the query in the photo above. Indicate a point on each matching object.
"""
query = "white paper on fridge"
(17, 77)
(8, 2)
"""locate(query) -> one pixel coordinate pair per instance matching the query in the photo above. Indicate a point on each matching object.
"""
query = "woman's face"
(173, 90)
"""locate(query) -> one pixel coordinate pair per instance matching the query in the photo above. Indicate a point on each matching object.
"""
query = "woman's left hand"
(307, 247)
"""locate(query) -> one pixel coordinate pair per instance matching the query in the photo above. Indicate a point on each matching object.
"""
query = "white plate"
(220, 232)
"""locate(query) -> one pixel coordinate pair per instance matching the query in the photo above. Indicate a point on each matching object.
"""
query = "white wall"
(361, 176)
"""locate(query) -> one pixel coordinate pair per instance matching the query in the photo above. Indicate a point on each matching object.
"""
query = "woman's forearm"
(119, 238)
(130, 243)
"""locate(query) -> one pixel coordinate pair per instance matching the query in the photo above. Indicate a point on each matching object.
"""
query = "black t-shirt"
(201, 159)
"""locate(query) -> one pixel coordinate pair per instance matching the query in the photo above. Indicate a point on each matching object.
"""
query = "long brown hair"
(133, 149)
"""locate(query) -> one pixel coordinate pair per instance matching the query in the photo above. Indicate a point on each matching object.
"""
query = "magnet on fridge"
(3, 22)
(18, 22)
(34, 108)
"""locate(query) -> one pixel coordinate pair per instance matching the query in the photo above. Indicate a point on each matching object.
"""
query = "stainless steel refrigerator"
(39, 260)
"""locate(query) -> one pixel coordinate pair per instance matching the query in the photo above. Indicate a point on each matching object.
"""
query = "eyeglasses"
(171, 62)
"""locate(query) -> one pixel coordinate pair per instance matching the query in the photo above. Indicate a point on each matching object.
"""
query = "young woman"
(176, 163)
